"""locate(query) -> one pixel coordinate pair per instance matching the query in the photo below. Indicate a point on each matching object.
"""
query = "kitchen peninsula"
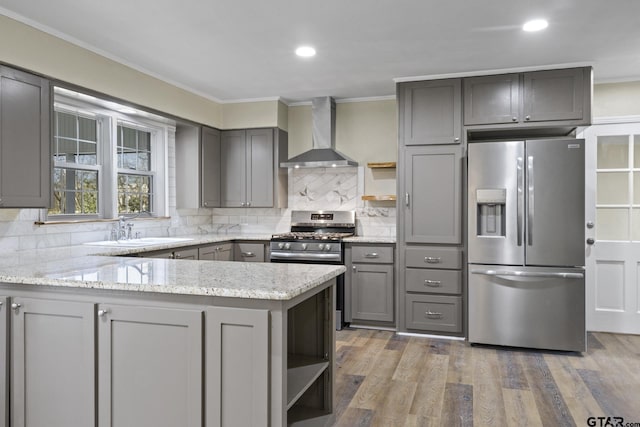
(101, 340)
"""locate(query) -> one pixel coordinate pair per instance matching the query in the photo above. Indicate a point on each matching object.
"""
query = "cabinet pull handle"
(16, 306)
(102, 313)
(433, 283)
(456, 139)
(1, 303)
(372, 255)
(432, 259)
(355, 269)
(177, 256)
(248, 254)
(248, 204)
(514, 119)
(407, 199)
(528, 118)
(433, 314)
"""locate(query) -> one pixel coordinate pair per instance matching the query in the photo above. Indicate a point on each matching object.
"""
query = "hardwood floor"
(389, 380)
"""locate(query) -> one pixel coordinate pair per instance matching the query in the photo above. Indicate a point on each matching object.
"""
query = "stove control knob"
(327, 247)
(304, 246)
(280, 245)
(320, 246)
(287, 245)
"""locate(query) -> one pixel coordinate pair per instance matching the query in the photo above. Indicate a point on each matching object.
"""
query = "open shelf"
(382, 198)
(380, 165)
(302, 371)
(307, 417)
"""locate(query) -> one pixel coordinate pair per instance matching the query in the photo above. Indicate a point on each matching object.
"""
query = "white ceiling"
(244, 49)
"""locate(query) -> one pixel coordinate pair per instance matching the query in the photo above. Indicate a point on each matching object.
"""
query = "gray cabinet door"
(372, 292)
(210, 167)
(25, 134)
(53, 363)
(430, 112)
(150, 367)
(233, 166)
(237, 367)
(554, 95)
(260, 168)
(432, 199)
(4, 365)
(186, 253)
(249, 252)
(492, 99)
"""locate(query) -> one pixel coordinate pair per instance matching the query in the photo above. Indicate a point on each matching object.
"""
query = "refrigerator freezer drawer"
(527, 307)
(425, 280)
(433, 257)
(434, 313)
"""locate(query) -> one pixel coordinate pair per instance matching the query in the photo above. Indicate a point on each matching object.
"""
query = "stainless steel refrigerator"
(526, 244)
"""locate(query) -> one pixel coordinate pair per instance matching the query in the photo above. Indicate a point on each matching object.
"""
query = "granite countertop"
(370, 239)
(95, 267)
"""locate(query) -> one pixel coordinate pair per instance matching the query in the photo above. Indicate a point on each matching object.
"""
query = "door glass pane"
(613, 224)
(636, 188)
(635, 225)
(613, 188)
(613, 152)
(636, 151)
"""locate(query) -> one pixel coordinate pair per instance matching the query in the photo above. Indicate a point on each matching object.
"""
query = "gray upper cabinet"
(25, 135)
(53, 363)
(432, 199)
(557, 95)
(251, 175)
(150, 367)
(210, 167)
(532, 99)
(492, 99)
(430, 112)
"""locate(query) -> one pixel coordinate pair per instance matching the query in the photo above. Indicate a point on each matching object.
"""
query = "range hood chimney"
(324, 153)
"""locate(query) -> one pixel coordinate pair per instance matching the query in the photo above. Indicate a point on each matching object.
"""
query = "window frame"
(109, 116)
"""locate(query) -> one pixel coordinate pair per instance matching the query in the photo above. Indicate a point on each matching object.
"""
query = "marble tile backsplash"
(315, 188)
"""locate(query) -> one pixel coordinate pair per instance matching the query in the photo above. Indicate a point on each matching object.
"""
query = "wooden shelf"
(382, 198)
(379, 165)
(302, 371)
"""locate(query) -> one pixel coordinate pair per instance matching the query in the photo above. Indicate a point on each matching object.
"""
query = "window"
(135, 177)
(109, 160)
(75, 173)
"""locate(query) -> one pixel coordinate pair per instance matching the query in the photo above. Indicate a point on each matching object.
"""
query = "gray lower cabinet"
(150, 366)
(250, 168)
(431, 205)
(4, 359)
(186, 253)
(53, 346)
(370, 284)
(433, 289)
(542, 98)
(217, 252)
(249, 252)
(237, 348)
(25, 140)
(430, 112)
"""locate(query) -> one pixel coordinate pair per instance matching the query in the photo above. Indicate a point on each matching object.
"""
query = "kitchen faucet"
(122, 231)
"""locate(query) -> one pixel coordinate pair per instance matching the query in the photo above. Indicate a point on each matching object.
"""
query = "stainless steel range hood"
(323, 154)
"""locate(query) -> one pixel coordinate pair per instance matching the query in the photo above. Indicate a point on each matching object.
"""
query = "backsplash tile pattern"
(312, 189)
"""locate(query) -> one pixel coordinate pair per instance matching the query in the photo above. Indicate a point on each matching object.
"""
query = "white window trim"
(109, 118)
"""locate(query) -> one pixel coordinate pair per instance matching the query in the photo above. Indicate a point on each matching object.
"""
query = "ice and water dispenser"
(491, 216)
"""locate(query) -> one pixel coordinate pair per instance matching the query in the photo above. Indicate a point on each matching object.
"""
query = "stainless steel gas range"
(316, 237)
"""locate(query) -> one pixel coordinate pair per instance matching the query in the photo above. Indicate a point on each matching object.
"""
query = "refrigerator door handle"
(558, 275)
(520, 202)
(530, 207)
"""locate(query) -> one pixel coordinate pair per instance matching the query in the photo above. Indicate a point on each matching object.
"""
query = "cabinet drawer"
(249, 252)
(433, 281)
(434, 313)
(373, 254)
(433, 257)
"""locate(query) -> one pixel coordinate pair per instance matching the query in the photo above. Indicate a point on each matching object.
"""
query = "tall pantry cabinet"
(430, 178)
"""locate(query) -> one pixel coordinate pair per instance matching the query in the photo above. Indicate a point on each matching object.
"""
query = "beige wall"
(299, 129)
(37, 51)
(254, 114)
(616, 99)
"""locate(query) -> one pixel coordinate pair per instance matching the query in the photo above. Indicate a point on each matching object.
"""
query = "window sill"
(82, 221)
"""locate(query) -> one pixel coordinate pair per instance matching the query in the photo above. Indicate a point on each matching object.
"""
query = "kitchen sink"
(134, 243)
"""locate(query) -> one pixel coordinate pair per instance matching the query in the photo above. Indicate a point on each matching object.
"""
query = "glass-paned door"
(613, 220)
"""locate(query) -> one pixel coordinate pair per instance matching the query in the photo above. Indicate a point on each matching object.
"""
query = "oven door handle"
(305, 257)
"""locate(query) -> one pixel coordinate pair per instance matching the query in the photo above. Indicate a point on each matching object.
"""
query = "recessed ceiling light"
(535, 25)
(305, 51)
